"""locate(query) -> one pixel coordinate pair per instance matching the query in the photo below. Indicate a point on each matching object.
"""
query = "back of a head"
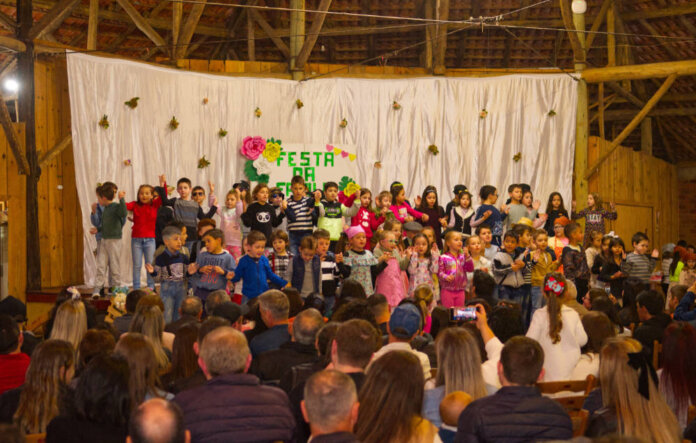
(329, 397)
(9, 334)
(224, 351)
(133, 298)
(484, 284)
(378, 303)
(276, 303)
(452, 406)
(352, 288)
(356, 341)
(405, 321)
(102, 394)
(679, 361)
(355, 309)
(651, 300)
(14, 307)
(209, 325)
(631, 288)
(522, 359)
(505, 322)
(192, 306)
(325, 338)
(150, 300)
(95, 342)
(214, 299)
(306, 326)
(71, 322)
(459, 362)
(157, 421)
(140, 355)
(295, 301)
(598, 328)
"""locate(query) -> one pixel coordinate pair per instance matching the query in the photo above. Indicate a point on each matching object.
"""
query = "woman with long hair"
(677, 382)
(633, 405)
(391, 400)
(149, 321)
(51, 369)
(71, 322)
(458, 369)
(144, 379)
(184, 359)
(598, 328)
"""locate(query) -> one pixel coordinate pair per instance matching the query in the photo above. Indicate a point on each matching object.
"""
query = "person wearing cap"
(410, 230)
(404, 325)
(232, 312)
(559, 240)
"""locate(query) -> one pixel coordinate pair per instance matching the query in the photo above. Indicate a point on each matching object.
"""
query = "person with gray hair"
(215, 299)
(274, 308)
(271, 365)
(190, 311)
(157, 421)
(233, 405)
(330, 406)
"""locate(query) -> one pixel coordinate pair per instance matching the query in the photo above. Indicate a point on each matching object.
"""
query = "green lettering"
(329, 159)
(318, 156)
(280, 157)
(296, 171)
(304, 156)
(309, 174)
(291, 159)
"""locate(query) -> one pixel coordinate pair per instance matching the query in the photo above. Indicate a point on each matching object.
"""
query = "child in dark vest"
(305, 268)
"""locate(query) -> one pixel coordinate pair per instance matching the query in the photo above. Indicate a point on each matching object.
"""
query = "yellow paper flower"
(272, 151)
(351, 188)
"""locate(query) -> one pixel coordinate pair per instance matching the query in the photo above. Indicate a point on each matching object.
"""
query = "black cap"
(458, 189)
(230, 311)
(14, 308)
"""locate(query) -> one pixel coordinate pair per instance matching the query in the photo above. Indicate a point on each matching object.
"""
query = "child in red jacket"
(143, 237)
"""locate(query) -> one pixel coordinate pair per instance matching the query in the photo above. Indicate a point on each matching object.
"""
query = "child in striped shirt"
(279, 257)
(638, 263)
(300, 213)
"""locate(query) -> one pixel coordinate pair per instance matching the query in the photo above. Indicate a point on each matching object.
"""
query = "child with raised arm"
(331, 212)
(367, 217)
(453, 266)
(230, 219)
(594, 215)
(144, 211)
(639, 264)
(400, 207)
(489, 214)
(111, 230)
(300, 212)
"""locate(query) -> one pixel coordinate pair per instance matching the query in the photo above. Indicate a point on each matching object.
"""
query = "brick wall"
(687, 210)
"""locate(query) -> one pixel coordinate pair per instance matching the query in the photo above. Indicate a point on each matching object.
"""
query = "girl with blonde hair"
(633, 405)
(71, 323)
(144, 383)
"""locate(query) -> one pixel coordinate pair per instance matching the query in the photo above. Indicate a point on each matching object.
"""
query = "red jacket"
(144, 217)
(14, 368)
(368, 221)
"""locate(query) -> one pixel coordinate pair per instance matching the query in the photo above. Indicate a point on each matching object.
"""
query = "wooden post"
(177, 14)
(92, 25)
(251, 43)
(439, 67)
(580, 187)
(297, 36)
(429, 35)
(611, 37)
(600, 110)
(25, 70)
(646, 141)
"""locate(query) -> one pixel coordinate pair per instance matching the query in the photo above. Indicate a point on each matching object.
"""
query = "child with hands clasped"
(423, 263)
(401, 210)
(254, 268)
(214, 265)
(331, 212)
(453, 265)
(361, 261)
(144, 211)
(389, 280)
(230, 219)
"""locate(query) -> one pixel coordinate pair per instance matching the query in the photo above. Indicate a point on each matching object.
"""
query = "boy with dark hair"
(507, 270)
(332, 269)
(214, 265)
(654, 319)
(305, 268)
(331, 212)
(254, 269)
(301, 213)
(486, 234)
(517, 412)
(638, 263)
(204, 225)
(279, 257)
(111, 230)
(574, 260)
(13, 362)
(185, 209)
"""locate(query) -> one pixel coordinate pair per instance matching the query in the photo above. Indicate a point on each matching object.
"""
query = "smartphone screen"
(466, 314)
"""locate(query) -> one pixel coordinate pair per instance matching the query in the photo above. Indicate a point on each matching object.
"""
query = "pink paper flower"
(252, 147)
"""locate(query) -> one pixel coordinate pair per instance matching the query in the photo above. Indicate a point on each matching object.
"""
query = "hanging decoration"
(272, 150)
(396, 106)
(299, 103)
(252, 175)
(517, 157)
(342, 152)
(551, 113)
(205, 100)
(483, 113)
(203, 163)
(127, 162)
(343, 123)
(433, 149)
(222, 133)
(257, 112)
(378, 165)
(252, 147)
(104, 122)
(132, 103)
(173, 124)
(348, 185)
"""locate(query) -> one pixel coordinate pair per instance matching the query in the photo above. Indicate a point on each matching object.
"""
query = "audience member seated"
(330, 406)
(295, 301)
(69, 293)
(605, 305)
(505, 322)
(157, 421)
(149, 321)
(570, 299)
(300, 373)
(591, 295)
(270, 366)
(351, 349)
(34, 404)
(633, 405)
(99, 408)
(215, 299)
(451, 408)
(155, 300)
(233, 405)
(405, 324)
(677, 382)
(197, 378)
(558, 329)
(274, 308)
(144, 370)
(95, 342)
(483, 287)
(674, 296)
(184, 358)
(356, 308)
(232, 312)
(631, 288)
(686, 310)
(13, 362)
(458, 369)
(190, 311)
(493, 343)
(598, 328)
(654, 320)
(18, 310)
(71, 322)
(380, 308)
(517, 412)
(122, 323)
(391, 399)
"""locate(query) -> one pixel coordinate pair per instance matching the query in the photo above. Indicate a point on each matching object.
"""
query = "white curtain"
(442, 111)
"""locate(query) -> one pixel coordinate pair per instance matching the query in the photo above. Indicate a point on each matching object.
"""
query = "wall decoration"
(173, 124)
(132, 103)
(104, 122)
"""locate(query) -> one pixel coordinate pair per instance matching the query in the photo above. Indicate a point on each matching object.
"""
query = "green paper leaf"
(344, 182)
(252, 175)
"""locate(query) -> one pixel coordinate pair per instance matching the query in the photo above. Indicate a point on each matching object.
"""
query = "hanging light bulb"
(579, 6)
(11, 85)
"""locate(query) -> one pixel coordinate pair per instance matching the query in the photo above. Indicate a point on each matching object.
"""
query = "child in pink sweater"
(402, 211)
(452, 268)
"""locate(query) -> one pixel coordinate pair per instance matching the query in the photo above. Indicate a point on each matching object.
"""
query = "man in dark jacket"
(274, 308)
(654, 320)
(190, 311)
(330, 406)
(233, 405)
(270, 366)
(517, 412)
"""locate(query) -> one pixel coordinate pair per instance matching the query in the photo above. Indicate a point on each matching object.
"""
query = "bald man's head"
(157, 421)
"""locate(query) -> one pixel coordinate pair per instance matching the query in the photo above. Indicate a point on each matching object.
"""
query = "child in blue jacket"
(254, 269)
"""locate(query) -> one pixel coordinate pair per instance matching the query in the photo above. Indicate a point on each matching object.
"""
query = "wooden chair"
(571, 403)
(691, 414)
(553, 387)
(35, 438)
(579, 419)
(657, 353)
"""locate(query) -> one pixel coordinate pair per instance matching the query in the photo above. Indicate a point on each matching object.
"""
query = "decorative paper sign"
(317, 164)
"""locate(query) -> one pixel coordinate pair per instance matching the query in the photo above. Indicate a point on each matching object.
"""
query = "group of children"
(313, 241)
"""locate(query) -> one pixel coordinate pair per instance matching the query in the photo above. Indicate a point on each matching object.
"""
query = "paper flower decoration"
(299, 103)
(343, 123)
(251, 173)
(257, 112)
(517, 157)
(272, 151)
(433, 149)
(396, 105)
(205, 101)
(252, 147)
(132, 103)
(551, 113)
(345, 181)
(351, 189)
(104, 122)
(173, 123)
(262, 166)
(222, 133)
(483, 113)
(378, 165)
(127, 162)
(203, 163)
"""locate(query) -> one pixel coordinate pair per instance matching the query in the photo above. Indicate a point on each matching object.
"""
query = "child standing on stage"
(214, 265)
(279, 257)
(423, 263)
(111, 230)
(452, 268)
(574, 260)
(330, 212)
(366, 216)
(260, 215)
(401, 210)
(230, 220)
(361, 261)
(300, 213)
(143, 237)
(489, 214)
(594, 215)
(430, 206)
(389, 281)
(554, 209)
(254, 268)
(461, 214)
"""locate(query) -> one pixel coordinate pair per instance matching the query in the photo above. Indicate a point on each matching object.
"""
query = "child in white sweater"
(558, 329)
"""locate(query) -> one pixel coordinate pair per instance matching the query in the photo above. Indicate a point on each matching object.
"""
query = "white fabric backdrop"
(442, 111)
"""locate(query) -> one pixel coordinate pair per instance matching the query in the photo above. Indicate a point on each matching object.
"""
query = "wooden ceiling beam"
(271, 33)
(189, 28)
(52, 19)
(639, 72)
(13, 138)
(7, 22)
(12, 44)
(313, 35)
(596, 24)
(567, 14)
(55, 150)
(141, 22)
(440, 52)
(92, 25)
(627, 114)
